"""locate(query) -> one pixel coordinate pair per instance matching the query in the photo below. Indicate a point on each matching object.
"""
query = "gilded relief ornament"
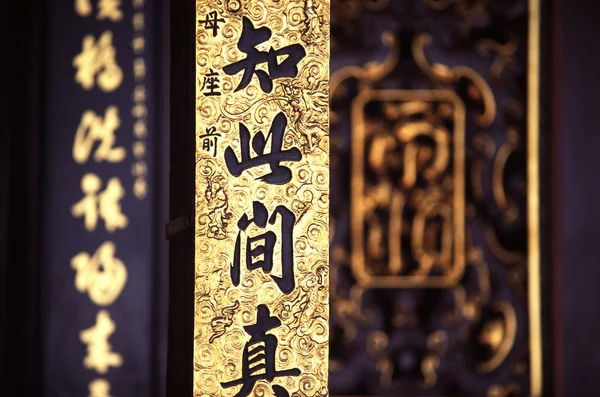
(262, 198)
(433, 251)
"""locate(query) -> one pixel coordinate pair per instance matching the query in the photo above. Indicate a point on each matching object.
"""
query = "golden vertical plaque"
(262, 198)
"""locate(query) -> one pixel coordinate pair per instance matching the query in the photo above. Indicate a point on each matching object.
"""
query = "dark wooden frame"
(160, 83)
(180, 358)
(20, 314)
(550, 169)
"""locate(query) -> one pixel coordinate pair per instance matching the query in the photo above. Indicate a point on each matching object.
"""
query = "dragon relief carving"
(305, 111)
(214, 223)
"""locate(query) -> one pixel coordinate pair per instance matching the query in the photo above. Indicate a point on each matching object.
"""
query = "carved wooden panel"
(434, 215)
(262, 198)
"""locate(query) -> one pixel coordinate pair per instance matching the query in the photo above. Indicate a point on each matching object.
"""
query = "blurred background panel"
(101, 216)
(85, 277)
(435, 250)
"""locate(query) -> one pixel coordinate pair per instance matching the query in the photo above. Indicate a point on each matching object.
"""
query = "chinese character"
(107, 9)
(212, 23)
(99, 355)
(139, 93)
(211, 83)
(102, 275)
(104, 205)
(138, 44)
(252, 37)
(139, 68)
(259, 356)
(259, 249)
(139, 149)
(139, 111)
(279, 174)
(139, 129)
(138, 21)
(209, 140)
(140, 188)
(99, 388)
(98, 58)
(139, 169)
(93, 128)
(110, 9)
(83, 7)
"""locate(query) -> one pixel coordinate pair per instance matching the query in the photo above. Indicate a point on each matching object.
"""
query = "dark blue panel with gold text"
(97, 207)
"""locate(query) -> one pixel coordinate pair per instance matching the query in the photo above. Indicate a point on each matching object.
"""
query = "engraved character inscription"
(211, 22)
(210, 86)
(279, 174)
(209, 140)
(260, 248)
(250, 38)
(259, 356)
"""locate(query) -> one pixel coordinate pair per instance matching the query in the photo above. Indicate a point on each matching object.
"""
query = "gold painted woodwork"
(222, 309)
(499, 333)
(441, 167)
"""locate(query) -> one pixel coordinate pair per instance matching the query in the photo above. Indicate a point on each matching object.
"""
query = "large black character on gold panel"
(279, 174)
(260, 248)
(251, 37)
(259, 356)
